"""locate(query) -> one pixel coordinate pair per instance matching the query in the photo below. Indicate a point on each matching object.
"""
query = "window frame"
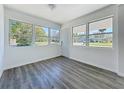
(111, 32)
(10, 32)
(85, 35)
(33, 37)
(51, 37)
(87, 32)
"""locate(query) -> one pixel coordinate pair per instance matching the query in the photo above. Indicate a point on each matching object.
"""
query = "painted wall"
(65, 40)
(1, 39)
(105, 58)
(17, 56)
(121, 39)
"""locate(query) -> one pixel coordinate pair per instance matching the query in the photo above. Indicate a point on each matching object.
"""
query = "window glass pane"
(54, 33)
(79, 35)
(101, 40)
(100, 33)
(55, 36)
(41, 35)
(54, 40)
(41, 41)
(20, 33)
(79, 40)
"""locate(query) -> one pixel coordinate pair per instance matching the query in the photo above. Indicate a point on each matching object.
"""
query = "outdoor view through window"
(23, 34)
(41, 35)
(20, 33)
(54, 34)
(79, 35)
(100, 33)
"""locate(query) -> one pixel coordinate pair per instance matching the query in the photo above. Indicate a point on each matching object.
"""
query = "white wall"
(121, 39)
(65, 44)
(101, 57)
(1, 38)
(17, 56)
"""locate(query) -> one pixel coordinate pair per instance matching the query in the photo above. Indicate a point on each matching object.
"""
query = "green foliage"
(41, 36)
(22, 32)
(23, 42)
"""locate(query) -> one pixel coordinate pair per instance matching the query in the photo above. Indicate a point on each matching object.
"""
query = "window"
(55, 36)
(20, 33)
(41, 35)
(100, 33)
(79, 35)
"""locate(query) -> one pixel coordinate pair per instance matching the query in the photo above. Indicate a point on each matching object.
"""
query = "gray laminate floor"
(59, 73)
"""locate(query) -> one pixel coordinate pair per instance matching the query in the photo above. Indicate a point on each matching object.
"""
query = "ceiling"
(60, 14)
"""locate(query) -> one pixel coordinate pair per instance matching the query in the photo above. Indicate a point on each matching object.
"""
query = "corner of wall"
(1, 38)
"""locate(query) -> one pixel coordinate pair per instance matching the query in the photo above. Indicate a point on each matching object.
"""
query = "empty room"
(61, 46)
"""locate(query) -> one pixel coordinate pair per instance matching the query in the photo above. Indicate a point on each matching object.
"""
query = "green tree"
(40, 34)
(22, 32)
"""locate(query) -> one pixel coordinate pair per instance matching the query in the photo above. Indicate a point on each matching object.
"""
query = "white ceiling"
(61, 14)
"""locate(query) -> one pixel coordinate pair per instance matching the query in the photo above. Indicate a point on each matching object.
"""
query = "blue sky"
(54, 32)
(45, 29)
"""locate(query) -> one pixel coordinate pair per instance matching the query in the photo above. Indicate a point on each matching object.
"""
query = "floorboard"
(60, 73)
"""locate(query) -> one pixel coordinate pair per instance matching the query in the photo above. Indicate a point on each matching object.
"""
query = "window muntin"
(41, 35)
(100, 33)
(54, 36)
(20, 33)
(79, 35)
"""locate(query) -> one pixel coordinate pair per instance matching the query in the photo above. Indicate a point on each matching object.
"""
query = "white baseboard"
(92, 64)
(120, 74)
(28, 62)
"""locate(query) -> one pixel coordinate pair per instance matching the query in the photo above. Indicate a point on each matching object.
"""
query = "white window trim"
(100, 20)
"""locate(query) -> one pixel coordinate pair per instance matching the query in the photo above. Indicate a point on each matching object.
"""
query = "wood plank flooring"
(60, 73)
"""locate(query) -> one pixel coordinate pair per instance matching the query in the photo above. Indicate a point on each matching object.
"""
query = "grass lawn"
(79, 44)
(98, 44)
(95, 44)
(41, 43)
